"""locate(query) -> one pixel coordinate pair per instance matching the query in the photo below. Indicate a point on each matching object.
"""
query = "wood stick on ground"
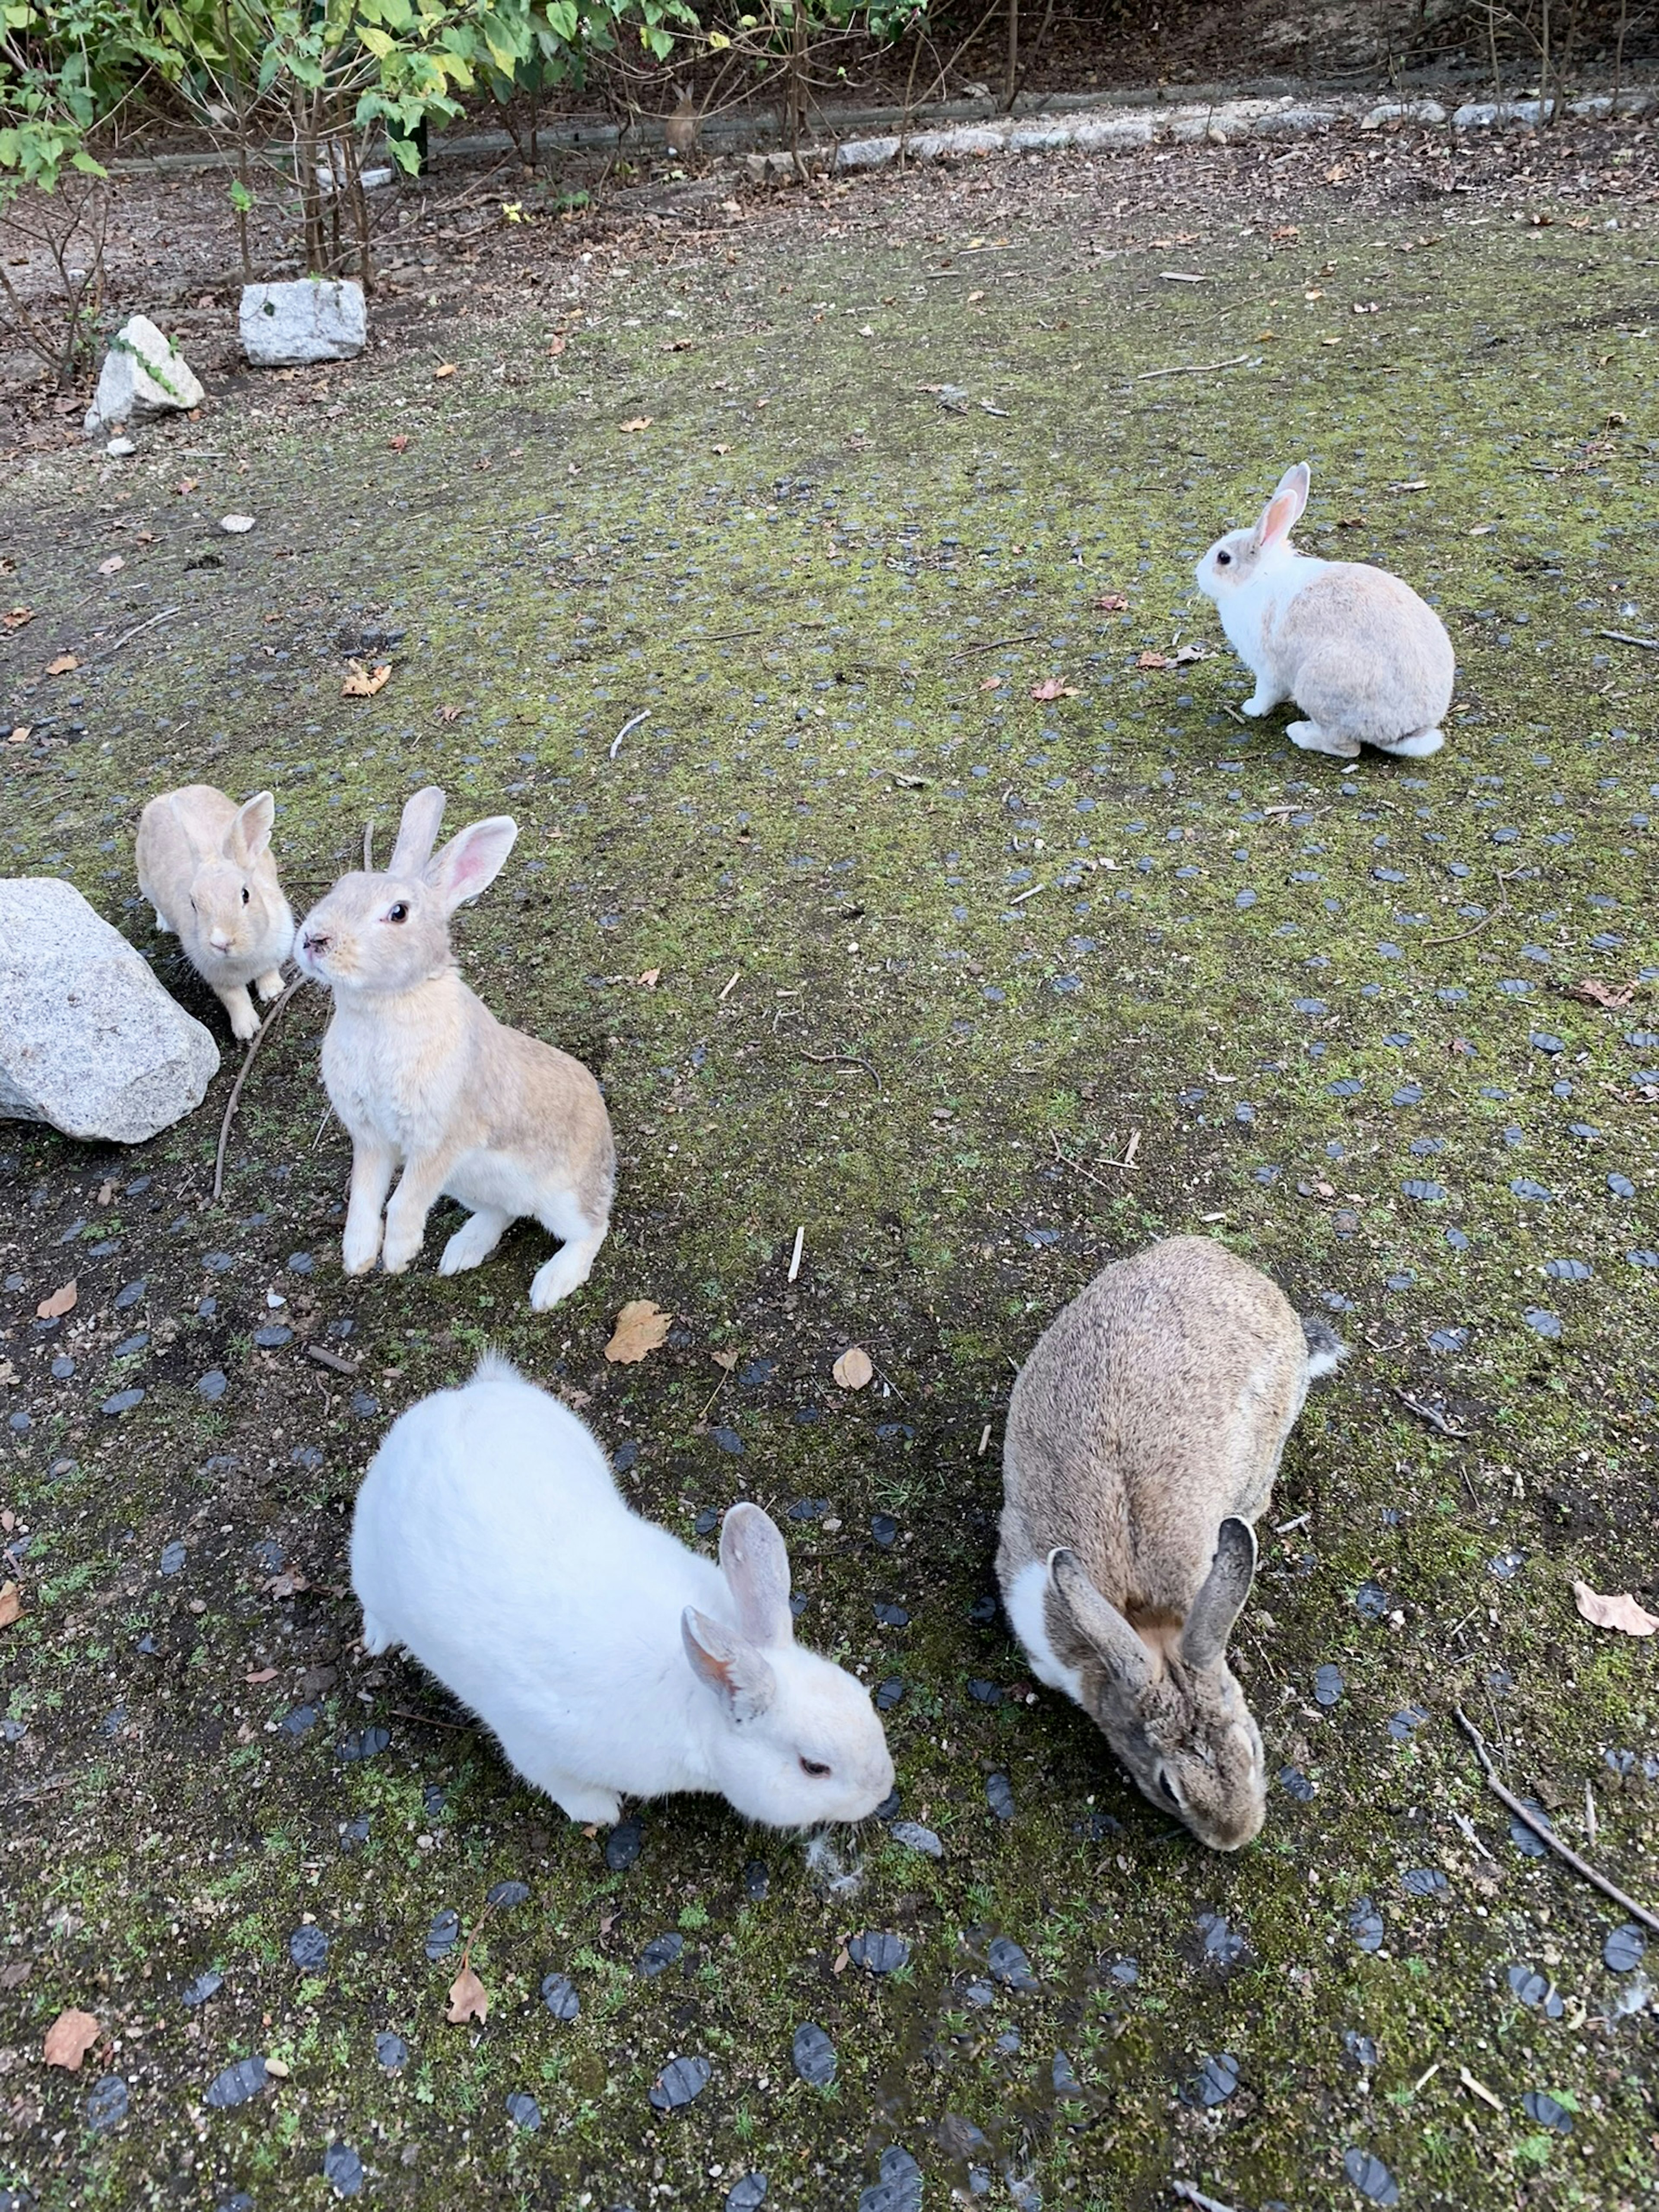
(1431, 1414)
(994, 645)
(1624, 637)
(259, 1036)
(1546, 1835)
(1475, 927)
(1192, 367)
(1196, 2195)
(325, 1358)
(843, 1059)
(632, 723)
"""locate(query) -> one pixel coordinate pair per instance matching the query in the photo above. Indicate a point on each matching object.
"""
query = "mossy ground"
(934, 959)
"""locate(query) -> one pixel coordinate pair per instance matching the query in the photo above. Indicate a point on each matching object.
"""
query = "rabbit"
(425, 1078)
(1143, 1435)
(608, 1658)
(1367, 661)
(205, 866)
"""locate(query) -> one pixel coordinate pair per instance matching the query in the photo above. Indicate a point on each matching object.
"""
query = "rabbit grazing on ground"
(425, 1078)
(1144, 1433)
(610, 1659)
(1367, 661)
(205, 866)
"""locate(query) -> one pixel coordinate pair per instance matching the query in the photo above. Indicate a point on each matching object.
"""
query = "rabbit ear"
(417, 833)
(731, 1666)
(250, 831)
(471, 862)
(756, 1566)
(1284, 509)
(1098, 1621)
(1221, 1599)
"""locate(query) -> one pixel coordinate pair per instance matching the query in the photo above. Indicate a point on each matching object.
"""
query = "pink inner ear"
(1276, 523)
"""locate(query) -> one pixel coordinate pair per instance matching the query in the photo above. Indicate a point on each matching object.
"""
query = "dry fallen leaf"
(263, 1674)
(362, 682)
(444, 368)
(109, 569)
(11, 1604)
(1111, 603)
(974, 297)
(400, 444)
(449, 713)
(64, 665)
(640, 1328)
(187, 485)
(69, 2038)
(1151, 660)
(649, 979)
(1052, 688)
(20, 735)
(557, 347)
(991, 683)
(60, 1302)
(853, 1369)
(1622, 1613)
(728, 1361)
(16, 619)
(285, 1585)
(638, 422)
(1595, 993)
(468, 1998)
(719, 449)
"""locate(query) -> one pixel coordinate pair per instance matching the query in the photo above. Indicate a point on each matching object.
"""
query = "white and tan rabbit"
(1367, 661)
(205, 866)
(425, 1078)
(610, 1659)
(1144, 1433)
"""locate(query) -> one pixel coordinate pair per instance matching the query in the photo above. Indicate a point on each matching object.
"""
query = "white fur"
(491, 1541)
(1321, 1364)
(1251, 615)
(1025, 1604)
(205, 866)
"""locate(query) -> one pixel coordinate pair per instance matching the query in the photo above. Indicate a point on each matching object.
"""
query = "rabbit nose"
(314, 944)
(220, 940)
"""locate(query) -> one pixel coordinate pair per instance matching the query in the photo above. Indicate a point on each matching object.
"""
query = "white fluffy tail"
(1326, 1349)
(496, 1367)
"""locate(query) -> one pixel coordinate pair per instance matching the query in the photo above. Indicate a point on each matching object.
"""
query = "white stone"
(314, 318)
(89, 1042)
(1429, 112)
(867, 153)
(1101, 134)
(143, 374)
(1038, 137)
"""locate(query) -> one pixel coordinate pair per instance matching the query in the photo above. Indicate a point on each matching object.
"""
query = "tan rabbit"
(205, 866)
(425, 1078)
(1364, 657)
(1144, 1433)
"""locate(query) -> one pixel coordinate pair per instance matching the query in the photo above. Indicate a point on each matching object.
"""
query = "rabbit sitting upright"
(608, 1658)
(1144, 1433)
(205, 866)
(425, 1078)
(1367, 661)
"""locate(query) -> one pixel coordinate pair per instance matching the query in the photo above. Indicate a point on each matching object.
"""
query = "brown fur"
(1153, 1411)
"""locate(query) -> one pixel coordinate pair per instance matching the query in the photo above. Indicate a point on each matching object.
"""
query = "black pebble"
(236, 2084)
(308, 1948)
(660, 1952)
(621, 1846)
(1215, 2080)
(1622, 1952)
(1425, 1881)
(814, 2055)
(1009, 1964)
(1370, 2177)
(1000, 1796)
(559, 1996)
(1362, 2049)
(1064, 2078)
(884, 1529)
(1365, 1925)
(878, 1952)
(391, 2050)
(1539, 2106)
(1327, 1685)
(342, 2169)
(983, 1610)
(504, 1895)
(524, 2111)
(1295, 1783)
(756, 1883)
(680, 2081)
(444, 1934)
(888, 1694)
(106, 2103)
(747, 2195)
(899, 2188)
(983, 1692)
(204, 1986)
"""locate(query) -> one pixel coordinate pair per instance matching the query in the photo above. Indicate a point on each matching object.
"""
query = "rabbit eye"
(1223, 560)
(1168, 1788)
(244, 893)
(399, 912)
(815, 1767)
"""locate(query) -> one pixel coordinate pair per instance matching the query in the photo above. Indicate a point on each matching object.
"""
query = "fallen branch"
(127, 636)
(994, 645)
(1431, 1414)
(1624, 637)
(725, 636)
(1192, 368)
(632, 723)
(843, 1059)
(1475, 927)
(1546, 1834)
(325, 1358)
(259, 1036)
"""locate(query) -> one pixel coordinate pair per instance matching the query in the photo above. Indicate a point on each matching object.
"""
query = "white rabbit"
(609, 1659)
(205, 866)
(1144, 1433)
(425, 1078)
(1367, 661)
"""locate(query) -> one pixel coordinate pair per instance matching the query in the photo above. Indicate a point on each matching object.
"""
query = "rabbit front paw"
(581, 1803)
(244, 1022)
(1258, 703)
(360, 1248)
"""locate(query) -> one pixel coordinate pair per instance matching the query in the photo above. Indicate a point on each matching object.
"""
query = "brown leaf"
(187, 485)
(65, 665)
(116, 560)
(444, 368)
(60, 1302)
(285, 1585)
(1111, 603)
(648, 981)
(640, 1328)
(11, 1604)
(362, 682)
(1052, 688)
(69, 2038)
(20, 736)
(16, 619)
(853, 1369)
(638, 422)
(719, 449)
(449, 714)
(468, 1998)
(1151, 660)
(1195, 652)
(1622, 1613)
(991, 683)
(728, 1361)
(1595, 993)
(557, 347)
(400, 444)
(263, 1674)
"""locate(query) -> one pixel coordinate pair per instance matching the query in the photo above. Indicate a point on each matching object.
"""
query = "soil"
(977, 989)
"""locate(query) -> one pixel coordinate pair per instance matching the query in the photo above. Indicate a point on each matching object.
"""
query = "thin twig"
(632, 723)
(1192, 367)
(1624, 637)
(259, 1036)
(1546, 1834)
(1431, 1414)
(425, 1720)
(1474, 928)
(725, 636)
(1193, 2195)
(125, 638)
(843, 1059)
(341, 1365)
(994, 645)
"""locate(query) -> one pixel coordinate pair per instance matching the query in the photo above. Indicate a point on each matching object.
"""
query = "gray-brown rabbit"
(1144, 1434)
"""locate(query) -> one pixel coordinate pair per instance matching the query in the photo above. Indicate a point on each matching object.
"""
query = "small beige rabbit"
(1364, 657)
(1144, 1434)
(425, 1078)
(205, 866)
